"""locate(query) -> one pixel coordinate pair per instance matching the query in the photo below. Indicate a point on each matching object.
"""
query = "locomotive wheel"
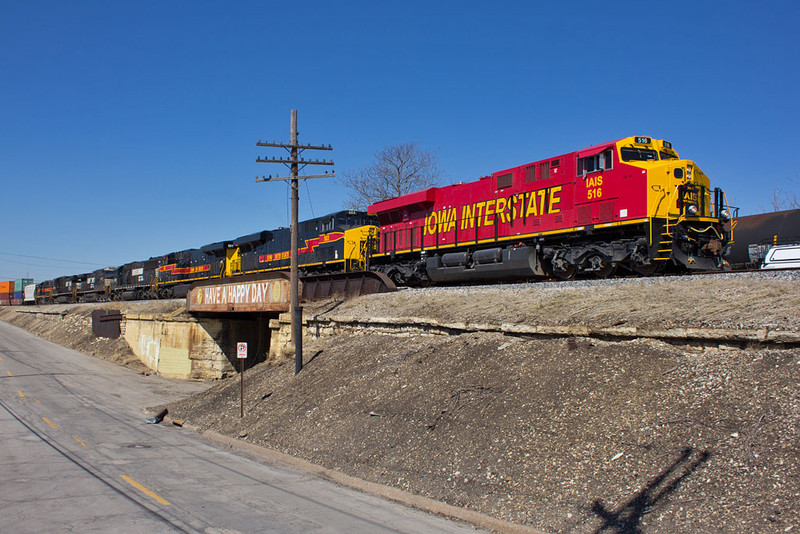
(599, 266)
(426, 282)
(606, 271)
(645, 270)
(165, 293)
(566, 274)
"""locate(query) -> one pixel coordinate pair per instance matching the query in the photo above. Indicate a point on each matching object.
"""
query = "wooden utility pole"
(295, 164)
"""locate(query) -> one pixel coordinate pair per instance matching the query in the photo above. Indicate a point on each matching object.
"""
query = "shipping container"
(6, 287)
(19, 285)
(30, 294)
(18, 295)
(16, 302)
(5, 299)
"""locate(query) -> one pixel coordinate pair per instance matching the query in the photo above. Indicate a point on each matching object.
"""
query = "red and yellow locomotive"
(630, 204)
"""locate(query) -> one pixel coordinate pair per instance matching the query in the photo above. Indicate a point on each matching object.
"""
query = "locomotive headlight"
(724, 216)
(691, 210)
(688, 172)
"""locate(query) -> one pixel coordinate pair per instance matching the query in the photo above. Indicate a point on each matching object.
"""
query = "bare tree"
(395, 170)
(785, 200)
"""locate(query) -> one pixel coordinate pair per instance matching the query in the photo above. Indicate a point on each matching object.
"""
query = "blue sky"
(129, 130)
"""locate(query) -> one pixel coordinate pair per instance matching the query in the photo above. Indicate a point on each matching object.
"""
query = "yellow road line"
(79, 441)
(9, 373)
(21, 394)
(49, 422)
(144, 490)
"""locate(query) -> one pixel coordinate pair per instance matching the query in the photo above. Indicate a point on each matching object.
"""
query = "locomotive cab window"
(637, 154)
(596, 162)
(328, 225)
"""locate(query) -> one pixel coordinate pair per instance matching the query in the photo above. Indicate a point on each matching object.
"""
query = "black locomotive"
(338, 242)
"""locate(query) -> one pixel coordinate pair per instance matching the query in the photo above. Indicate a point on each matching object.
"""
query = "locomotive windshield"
(638, 154)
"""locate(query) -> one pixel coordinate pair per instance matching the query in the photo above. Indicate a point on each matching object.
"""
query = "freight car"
(756, 234)
(6, 293)
(29, 291)
(12, 293)
(630, 204)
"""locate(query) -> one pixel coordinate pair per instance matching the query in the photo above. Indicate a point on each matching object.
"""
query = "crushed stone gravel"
(562, 434)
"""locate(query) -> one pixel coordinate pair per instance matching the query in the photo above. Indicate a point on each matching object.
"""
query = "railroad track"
(793, 274)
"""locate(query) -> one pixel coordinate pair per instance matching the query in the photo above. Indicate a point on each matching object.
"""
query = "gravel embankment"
(565, 435)
(726, 301)
(560, 434)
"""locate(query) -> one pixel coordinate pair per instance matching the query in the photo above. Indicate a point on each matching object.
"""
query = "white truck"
(782, 257)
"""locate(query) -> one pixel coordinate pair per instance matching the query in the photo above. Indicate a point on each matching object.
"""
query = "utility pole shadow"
(628, 517)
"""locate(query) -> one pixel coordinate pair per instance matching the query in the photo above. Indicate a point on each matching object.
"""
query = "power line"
(28, 264)
(49, 259)
(308, 195)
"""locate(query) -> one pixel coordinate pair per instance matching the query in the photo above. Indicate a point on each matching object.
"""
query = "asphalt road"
(77, 455)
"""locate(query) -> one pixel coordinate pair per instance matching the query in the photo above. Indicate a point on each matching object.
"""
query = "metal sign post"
(241, 355)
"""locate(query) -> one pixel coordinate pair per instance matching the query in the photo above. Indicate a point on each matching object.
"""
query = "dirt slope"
(567, 435)
(563, 434)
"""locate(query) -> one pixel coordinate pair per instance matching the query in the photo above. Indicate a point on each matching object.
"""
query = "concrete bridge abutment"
(203, 346)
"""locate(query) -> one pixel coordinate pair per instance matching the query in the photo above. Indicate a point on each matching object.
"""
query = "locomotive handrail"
(347, 259)
(667, 231)
(706, 229)
(730, 211)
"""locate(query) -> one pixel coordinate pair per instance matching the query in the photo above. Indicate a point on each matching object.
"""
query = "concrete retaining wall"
(177, 348)
(330, 325)
(180, 346)
(281, 346)
(186, 347)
